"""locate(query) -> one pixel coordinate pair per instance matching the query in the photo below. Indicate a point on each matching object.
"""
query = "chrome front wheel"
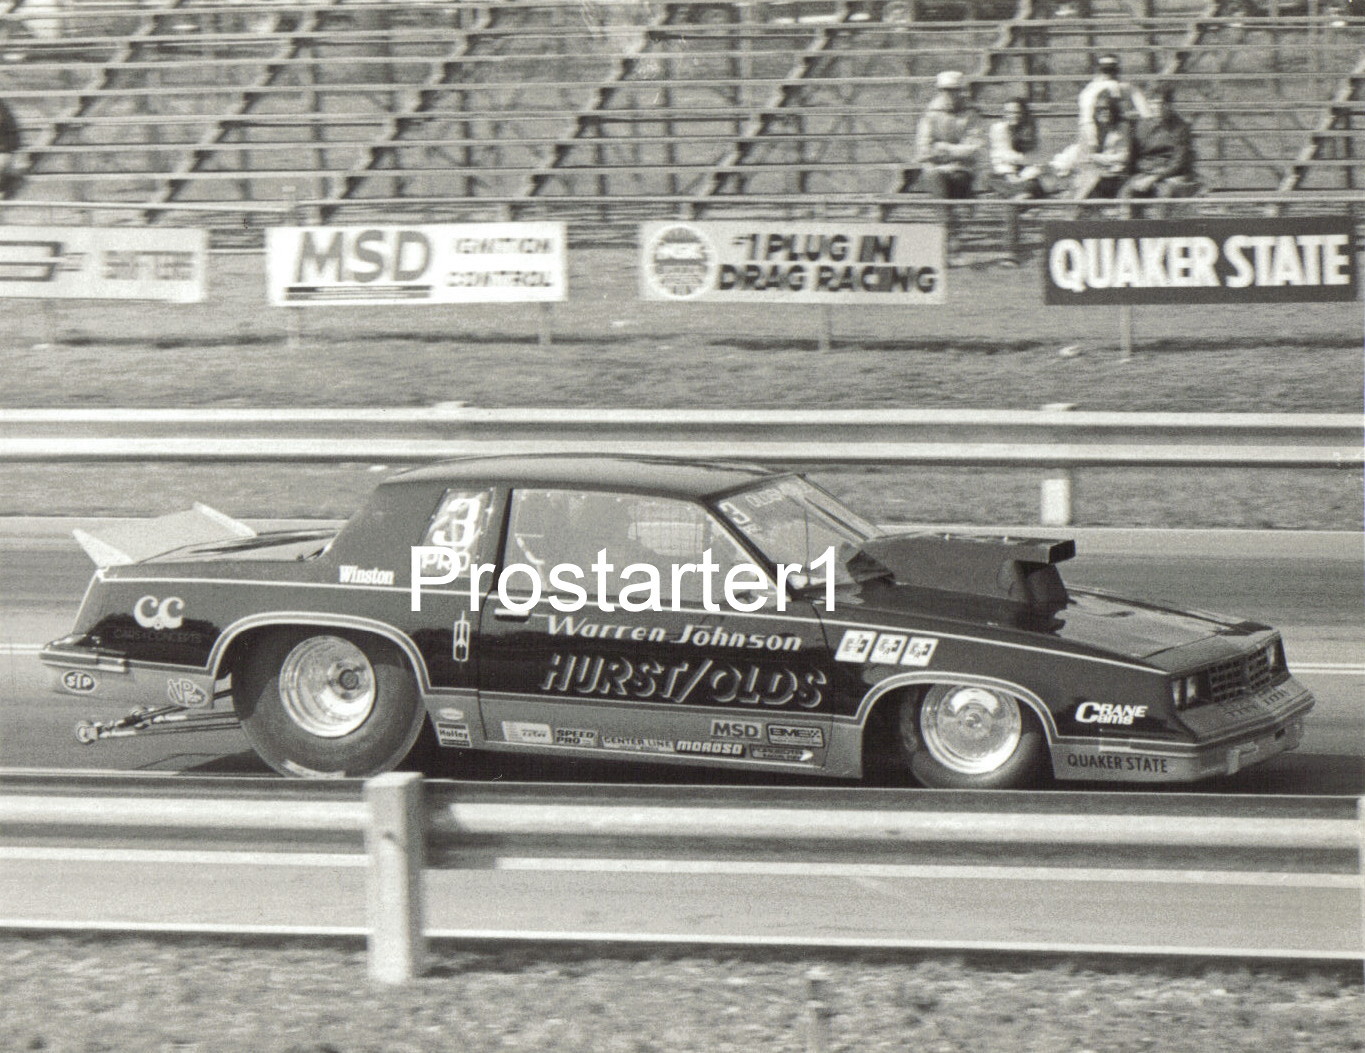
(970, 730)
(966, 736)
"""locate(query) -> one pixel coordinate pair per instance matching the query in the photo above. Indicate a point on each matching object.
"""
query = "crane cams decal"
(865, 645)
(151, 613)
(1107, 713)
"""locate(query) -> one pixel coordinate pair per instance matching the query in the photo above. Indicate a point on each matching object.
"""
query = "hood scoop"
(1020, 570)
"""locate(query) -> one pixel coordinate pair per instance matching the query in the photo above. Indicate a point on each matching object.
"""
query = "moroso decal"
(713, 749)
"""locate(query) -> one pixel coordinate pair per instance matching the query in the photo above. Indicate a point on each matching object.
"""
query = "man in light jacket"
(949, 140)
(1107, 83)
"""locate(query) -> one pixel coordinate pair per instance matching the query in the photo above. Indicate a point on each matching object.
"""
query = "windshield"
(794, 521)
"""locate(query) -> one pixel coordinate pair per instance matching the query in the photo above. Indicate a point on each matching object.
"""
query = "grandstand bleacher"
(500, 105)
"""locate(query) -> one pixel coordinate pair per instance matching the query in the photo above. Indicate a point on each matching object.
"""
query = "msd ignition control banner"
(1198, 261)
(104, 263)
(774, 261)
(427, 263)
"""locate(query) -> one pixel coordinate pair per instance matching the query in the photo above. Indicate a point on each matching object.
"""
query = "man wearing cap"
(1107, 82)
(949, 140)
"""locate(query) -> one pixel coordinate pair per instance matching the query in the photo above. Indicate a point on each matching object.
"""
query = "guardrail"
(1058, 440)
(401, 823)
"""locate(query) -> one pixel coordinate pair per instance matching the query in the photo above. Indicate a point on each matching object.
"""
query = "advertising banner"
(1199, 261)
(104, 263)
(781, 261)
(418, 263)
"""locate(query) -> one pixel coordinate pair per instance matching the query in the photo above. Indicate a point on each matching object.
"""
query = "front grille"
(1234, 679)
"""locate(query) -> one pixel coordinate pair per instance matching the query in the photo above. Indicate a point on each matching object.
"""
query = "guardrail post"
(1360, 831)
(395, 839)
(817, 1011)
(1055, 504)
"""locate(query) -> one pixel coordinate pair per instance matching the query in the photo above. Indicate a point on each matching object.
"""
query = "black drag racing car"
(675, 612)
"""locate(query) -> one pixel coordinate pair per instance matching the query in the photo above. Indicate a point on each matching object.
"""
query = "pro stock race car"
(959, 661)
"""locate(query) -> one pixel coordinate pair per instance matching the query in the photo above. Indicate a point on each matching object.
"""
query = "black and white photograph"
(705, 526)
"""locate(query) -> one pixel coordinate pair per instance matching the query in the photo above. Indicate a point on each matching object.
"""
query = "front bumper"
(1153, 761)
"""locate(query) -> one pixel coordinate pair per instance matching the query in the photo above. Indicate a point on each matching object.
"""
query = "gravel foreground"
(95, 995)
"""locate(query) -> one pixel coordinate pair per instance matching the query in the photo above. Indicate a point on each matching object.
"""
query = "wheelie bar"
(163, 720)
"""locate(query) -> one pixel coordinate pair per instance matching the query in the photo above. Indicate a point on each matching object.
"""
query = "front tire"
(966, 737)
(328, 704)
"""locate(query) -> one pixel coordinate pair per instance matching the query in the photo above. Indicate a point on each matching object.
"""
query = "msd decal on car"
(738, 618)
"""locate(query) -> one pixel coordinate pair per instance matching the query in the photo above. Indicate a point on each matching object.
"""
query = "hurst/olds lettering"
(350, 574)
(706, 682)
(695, 635)
(1106, 713)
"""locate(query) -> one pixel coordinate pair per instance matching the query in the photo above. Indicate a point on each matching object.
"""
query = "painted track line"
(574, 864)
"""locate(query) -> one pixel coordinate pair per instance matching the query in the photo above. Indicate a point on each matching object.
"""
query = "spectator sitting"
(9, 147)
(1163, 153)
(948, 141)
(1013, 142)
(1101, 170)
(1106, 84)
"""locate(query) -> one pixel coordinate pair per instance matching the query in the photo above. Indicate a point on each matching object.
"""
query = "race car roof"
(659, 475)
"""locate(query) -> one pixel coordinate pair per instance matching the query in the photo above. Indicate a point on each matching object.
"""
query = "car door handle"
(503, 614)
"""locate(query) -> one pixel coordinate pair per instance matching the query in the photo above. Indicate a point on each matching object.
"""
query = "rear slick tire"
(317, 703)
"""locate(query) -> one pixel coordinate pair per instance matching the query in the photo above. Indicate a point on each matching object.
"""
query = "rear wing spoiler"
(136, 540)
